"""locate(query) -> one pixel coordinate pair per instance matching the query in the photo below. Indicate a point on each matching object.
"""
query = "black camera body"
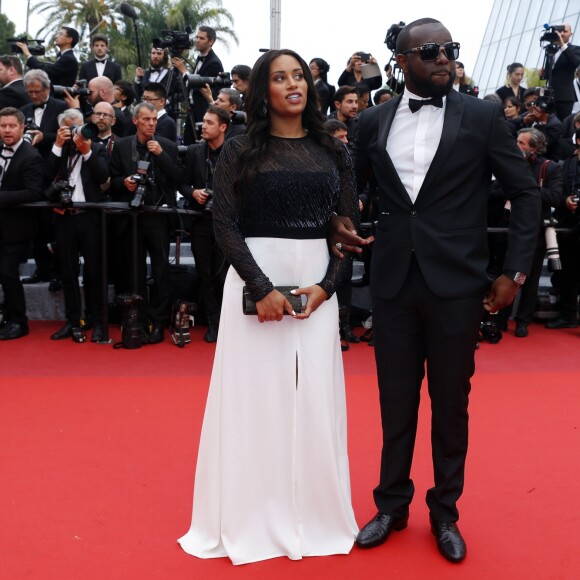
(132, 332)
(238, 118)
(194, 81)
(174, 40)
(144, 184)
(29, 125)
(81, 90)
(61, 191)
(35, 50)
(551, 33)
(364, 56)
(545, 101)
(393, 34)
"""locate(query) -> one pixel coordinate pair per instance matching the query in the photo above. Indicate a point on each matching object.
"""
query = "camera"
(552, 249)
(174, 40)
(86, 131)
(551, 33)
(238, 118)
(208, 205)
(61, 191)
(365, 56)
(29, 125)
(545, 100)
(80, 90)
(193, 81)
(181, 320)
(393, 34)
(144, 183)
(35, 50)
(489, 331)
(132, 332)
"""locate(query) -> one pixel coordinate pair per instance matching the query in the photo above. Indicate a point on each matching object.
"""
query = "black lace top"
(293, 195)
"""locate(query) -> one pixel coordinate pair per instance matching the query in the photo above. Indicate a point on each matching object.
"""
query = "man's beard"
(428, 87)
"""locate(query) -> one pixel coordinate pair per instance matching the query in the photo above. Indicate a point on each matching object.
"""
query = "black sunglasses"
(431, 50)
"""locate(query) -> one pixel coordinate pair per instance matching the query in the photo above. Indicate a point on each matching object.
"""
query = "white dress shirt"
(413, 141)
(74, 177)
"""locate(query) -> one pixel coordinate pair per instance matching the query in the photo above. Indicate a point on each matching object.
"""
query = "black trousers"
(80, 235)
(211, 266)
(414, 330)
(11, 254)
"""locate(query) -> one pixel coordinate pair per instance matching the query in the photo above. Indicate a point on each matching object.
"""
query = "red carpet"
(98, 446)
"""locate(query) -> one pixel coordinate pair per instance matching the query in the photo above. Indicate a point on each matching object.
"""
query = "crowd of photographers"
(75, 134)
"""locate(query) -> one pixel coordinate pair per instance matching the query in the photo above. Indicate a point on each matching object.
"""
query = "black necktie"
(416, 104)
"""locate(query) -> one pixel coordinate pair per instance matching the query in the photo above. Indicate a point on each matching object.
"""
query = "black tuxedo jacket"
(563, 74)
(14, 95)
(166, 166)
(88, 70)
(61, 72)
(446, 227)
(195, 173)
(211, 67)
(22, 183)
(49, 124)
(94, 172)
(166, 127)
(169, 81)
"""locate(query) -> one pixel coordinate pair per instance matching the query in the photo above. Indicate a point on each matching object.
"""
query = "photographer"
(101, 64)
(64, 70)
(21, 174)
(353, 72)
(155, 94)
(231, 101)
(158, 71)
(548, 175)
(77, 168)
(146, 165)
(346, 109)
(241, 79)
(198, 191)
(569, 243)
(12, 93)
(565, 61)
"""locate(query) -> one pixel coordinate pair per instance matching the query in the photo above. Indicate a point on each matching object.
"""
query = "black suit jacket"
(166, 166)
(166, 127)
(94, 172)
(211, 67)
(88, 70)
(169, 81)
(61, 72)
(49, 124)
(22, 183)
(563, 74)
(14, 95)
(446, 227)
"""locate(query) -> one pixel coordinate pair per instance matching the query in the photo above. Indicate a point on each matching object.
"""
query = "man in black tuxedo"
(101, 65)
(43, 111)
(83, 166)
(64, 70)
(155, 94)
(21, 175)
(432, 151)
(566, 61)
(210, 262)
(12, 93)
(164, 174)
(158, 71)
(207, 64)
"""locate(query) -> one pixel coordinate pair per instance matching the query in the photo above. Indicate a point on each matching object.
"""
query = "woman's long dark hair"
(323, 66)
(259, 117)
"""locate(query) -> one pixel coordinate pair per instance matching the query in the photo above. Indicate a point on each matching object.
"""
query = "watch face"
(519, 278)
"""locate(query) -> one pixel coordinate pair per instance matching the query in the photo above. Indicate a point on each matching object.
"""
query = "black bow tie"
(200, 58)
(416, 104)
(40, 106)
(8, 149)
(102, 61)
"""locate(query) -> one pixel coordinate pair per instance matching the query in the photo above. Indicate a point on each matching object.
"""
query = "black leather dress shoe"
(157, 334)
(210, 335)
(449, 540)
(98, 333)
(521, 330)
(378, 530)
(561, 323)
(65, 332)
(13, 330)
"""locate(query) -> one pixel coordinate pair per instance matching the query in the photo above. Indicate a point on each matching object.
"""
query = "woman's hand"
(271, 307)
(316, 296)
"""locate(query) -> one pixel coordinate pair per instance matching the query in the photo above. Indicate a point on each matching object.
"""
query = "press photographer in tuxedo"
(101, 65)
(160, 175)
(80, 165)
(21, 181)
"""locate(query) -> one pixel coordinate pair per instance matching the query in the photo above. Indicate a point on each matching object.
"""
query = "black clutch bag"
(249, 306)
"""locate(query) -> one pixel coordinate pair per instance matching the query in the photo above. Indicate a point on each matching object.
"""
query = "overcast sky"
(332, 30)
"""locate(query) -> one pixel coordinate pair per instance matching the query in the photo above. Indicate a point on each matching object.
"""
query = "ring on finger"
(338, 246)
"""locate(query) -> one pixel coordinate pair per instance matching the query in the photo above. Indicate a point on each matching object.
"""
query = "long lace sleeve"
(227, 224)
(347, 205)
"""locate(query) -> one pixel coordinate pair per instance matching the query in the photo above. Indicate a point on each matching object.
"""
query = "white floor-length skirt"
(272, 476)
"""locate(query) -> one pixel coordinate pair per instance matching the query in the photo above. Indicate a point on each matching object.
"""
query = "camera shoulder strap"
(543, 172)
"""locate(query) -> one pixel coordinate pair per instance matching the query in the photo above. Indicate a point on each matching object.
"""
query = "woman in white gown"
(272, 475)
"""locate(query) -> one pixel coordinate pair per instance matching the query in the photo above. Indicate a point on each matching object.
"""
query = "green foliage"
(7, 30)
(532, 78)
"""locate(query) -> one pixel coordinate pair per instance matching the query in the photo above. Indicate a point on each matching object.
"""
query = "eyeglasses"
(430, 50)
(150, 99)
(529, 104)
(103, 115)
